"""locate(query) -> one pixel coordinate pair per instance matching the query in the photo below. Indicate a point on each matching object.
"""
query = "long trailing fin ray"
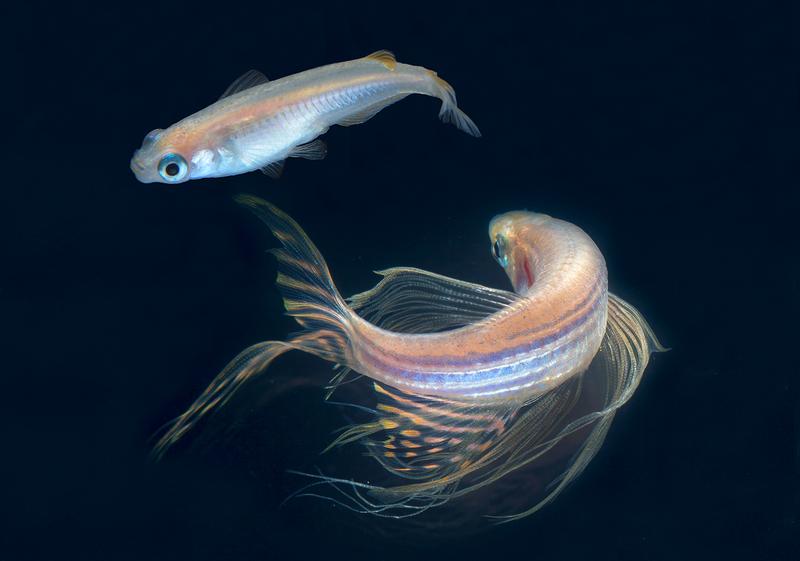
(621, 361)
(309, 296)
(529, 433)
(249, 362)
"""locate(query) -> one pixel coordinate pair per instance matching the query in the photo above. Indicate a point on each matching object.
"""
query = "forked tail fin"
(449, 112)
(309, 296)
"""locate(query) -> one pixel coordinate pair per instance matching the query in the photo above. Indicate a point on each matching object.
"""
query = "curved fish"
(469, 383)
(258, 123)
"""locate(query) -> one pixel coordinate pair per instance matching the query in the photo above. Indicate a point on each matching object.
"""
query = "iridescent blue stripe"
(504, 375)
(472, 358)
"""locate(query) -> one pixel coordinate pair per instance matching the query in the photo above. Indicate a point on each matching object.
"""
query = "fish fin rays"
(449, 111)
(619, 365)
(423, 438)
(310, 298)
(410, 300)
(314, 150)
(274, 169)
(248, 363)
(248, 80)
(442, 449)
(627, 345)
(385, 57)
(309, 294)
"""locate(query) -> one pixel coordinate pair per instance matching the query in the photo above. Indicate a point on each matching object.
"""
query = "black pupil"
(172, 169)
(496, 250)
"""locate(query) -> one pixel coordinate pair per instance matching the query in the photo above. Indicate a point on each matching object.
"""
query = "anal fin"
(416, 437)
(274, 169)
(421, 438)
(314, 150)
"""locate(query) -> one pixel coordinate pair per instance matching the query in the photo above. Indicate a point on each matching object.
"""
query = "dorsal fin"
(246, 81)
(409, 300)
(386, 58)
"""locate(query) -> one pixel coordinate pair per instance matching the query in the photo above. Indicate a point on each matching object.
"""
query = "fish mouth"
(138, 169)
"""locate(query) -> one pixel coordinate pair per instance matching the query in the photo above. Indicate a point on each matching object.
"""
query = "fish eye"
(173, 168)
(498, 251)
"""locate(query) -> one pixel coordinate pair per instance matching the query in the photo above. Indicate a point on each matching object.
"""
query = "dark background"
(668, 132)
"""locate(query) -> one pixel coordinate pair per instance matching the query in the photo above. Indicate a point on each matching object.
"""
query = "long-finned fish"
(471, 383)
(258, 123)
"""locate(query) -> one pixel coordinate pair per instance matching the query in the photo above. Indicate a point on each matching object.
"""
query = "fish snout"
(138, 168)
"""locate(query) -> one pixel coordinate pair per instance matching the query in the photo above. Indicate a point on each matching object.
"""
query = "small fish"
(257, 124)
(469, 384)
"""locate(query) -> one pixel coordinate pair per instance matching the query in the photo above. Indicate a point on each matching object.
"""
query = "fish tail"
(449, 112)
(251, 361)
(309, 296)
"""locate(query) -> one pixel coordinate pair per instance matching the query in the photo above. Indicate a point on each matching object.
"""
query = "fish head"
(171, 156)
(511, 234)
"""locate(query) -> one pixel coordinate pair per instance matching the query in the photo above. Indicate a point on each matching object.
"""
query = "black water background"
(668, 132)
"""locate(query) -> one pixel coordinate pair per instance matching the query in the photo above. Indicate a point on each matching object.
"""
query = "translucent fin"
(430, 443)
(449, 112)
(370, 111)
(249, 79)
(385, 57)
(341, 377)
(309, 296)
(410, 300)
(274, 169)
(423, 438)
(314, 150)
(249, 362)
(416, 437)
(620, 362)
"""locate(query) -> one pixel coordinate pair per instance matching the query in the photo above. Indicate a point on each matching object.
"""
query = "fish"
(467, 384)
(258, 124)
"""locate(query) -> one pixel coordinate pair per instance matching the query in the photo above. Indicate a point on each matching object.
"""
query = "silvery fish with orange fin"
(468, 387)
(258, 123)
